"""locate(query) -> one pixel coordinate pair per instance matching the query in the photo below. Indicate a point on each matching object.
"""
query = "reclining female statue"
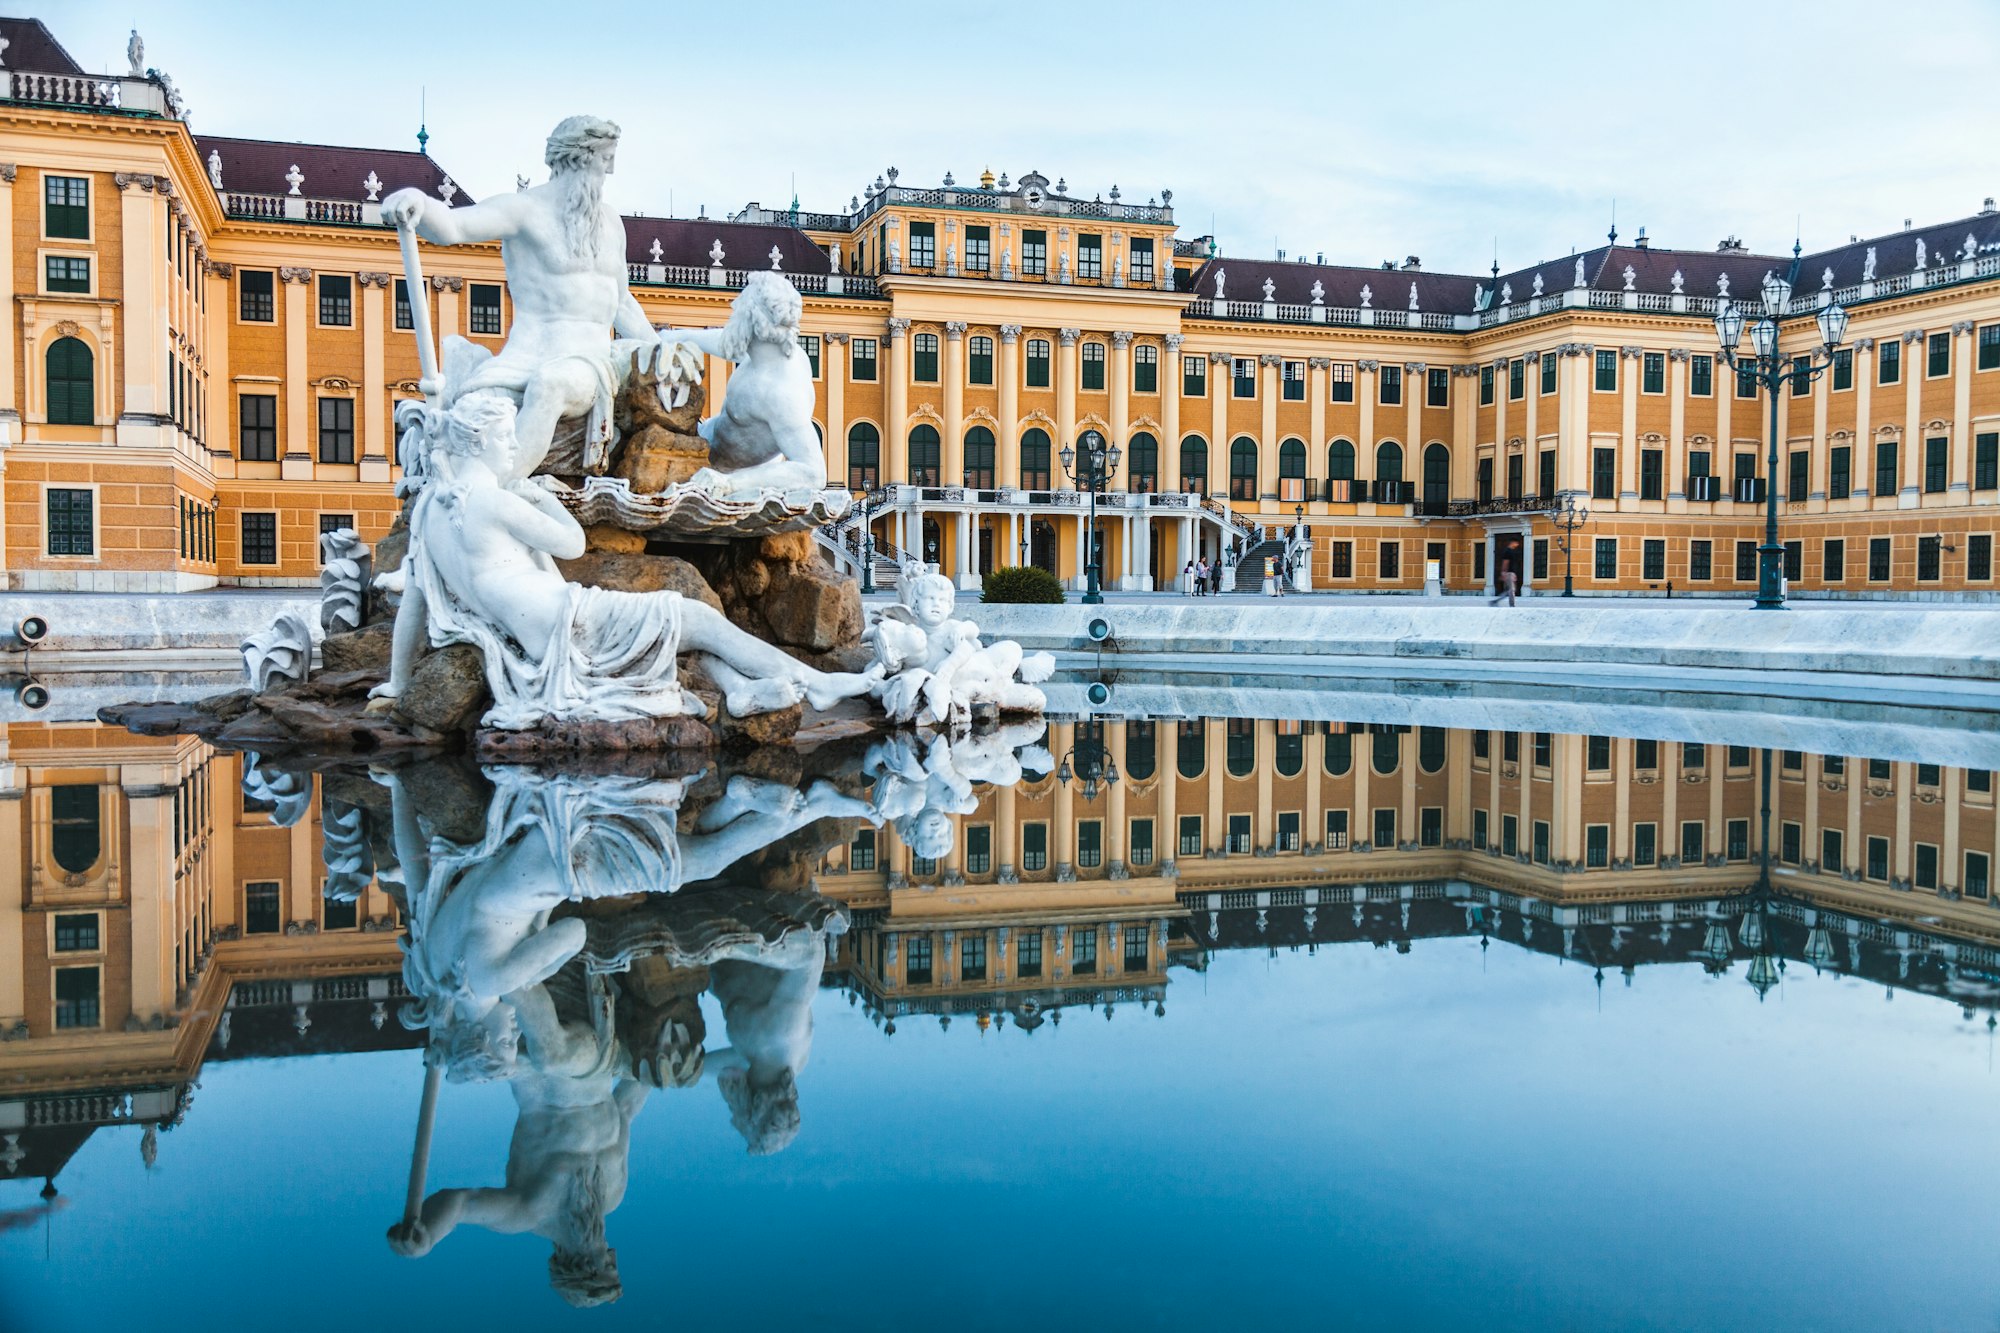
(481, 570)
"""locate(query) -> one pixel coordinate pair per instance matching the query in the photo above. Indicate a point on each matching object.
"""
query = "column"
(1121, 388)
(1318, 369)
(1861, 449)
(1465, 433)
(1414, 392)
(1629, 363)
(952, 456)
(1676, 462)
(448, 289)
(1265, 823)
(9, 396)
(833, 365)
(1218, 424)
(1115, 821)
(1170, 414)
(296, 461)
(1913, 421)
(143, 355)
(1818, 451)
(1007, 458)
(1167, 832)
(964, 519)
(1269, 366)
(13, 852)
(895, 430)
(1573, 418)
(374, 405)
(1066, 388)
(149, 866)
(1214, 772)
(1006, 835)
(221, 312)
(1961, 417)
(1062, 818)
(1365, 390)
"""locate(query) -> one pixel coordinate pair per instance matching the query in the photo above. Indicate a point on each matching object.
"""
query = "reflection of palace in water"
(164, 918)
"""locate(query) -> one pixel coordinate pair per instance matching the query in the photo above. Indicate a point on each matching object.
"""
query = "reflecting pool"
(1207, 1008)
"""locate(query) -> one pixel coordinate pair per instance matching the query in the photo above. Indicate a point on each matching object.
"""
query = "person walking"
(1507, 582)
(1187, 579)
(1200, 577)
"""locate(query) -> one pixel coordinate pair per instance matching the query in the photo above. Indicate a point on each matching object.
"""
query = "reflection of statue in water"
(481, 570)
(921, 781)
(499, 982)
(763, 436)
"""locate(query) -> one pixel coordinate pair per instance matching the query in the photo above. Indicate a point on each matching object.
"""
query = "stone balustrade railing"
(732, 279)
(93, 92)
(299, 208)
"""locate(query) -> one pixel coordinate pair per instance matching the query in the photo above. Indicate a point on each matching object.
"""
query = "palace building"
(211, 334)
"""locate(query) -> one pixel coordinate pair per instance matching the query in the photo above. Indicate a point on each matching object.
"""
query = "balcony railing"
(87, 92)
(732, 279)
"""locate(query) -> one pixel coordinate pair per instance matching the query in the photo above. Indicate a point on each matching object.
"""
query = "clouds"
(1362, 131)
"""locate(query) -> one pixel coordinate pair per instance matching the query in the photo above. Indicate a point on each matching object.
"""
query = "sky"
(1362, 132)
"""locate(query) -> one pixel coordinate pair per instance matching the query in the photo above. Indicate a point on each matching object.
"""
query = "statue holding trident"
(565, 257)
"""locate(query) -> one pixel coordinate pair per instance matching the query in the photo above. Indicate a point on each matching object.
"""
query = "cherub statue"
(481, 570)
(935, 667)
(762, 436)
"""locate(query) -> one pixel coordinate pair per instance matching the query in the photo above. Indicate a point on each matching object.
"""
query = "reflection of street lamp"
(1568, 517)
(1771, 370)
(1093, 762)
(1090, 467)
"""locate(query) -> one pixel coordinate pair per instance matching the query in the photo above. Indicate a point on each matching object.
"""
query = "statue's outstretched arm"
(630, 320)
(543, 529)
(441, 224)
(708, 340)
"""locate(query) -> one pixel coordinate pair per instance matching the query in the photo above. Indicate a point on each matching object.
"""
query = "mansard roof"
(687, 242)
(259, 166)
(1291, 284)
(30, 46)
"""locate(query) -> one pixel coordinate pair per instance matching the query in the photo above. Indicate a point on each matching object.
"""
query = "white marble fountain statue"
(500, 482)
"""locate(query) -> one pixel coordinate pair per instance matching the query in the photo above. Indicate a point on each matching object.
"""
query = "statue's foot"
(379, 705)
(764, 696)
(827, 801)
(826, 688)
(762, 794)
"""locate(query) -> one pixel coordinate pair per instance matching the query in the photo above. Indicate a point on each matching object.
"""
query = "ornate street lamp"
(1763, 365)
(1094, 763)
(1567, 517)
(867, 545)
(1090, 466)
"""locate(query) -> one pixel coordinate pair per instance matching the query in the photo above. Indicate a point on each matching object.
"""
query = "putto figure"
(565, 257)
(763, 436)
(934, 667)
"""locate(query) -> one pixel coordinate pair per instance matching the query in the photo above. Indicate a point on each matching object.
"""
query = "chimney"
(1412, 264)
(1987, 207)
(1319, 256)
(1732, 245)
(1281, 255)
(1641, 240)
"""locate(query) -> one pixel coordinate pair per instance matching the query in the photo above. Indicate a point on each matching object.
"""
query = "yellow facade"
(965, 334)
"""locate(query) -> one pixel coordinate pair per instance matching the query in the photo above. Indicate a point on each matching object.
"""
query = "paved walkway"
(1540, 601)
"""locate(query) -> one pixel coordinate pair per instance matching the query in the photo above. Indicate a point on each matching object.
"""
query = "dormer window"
(1090, 256)
(923, 245)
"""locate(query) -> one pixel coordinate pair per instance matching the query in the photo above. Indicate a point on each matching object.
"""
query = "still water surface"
(1363, 1069)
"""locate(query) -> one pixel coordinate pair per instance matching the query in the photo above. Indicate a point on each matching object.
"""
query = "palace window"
(1878, 858)
(1034, 846)
(1929, 559)
(1243, 376)
(923, 245)
(1194, 464)
(1694, 840)
(1937, 461)
(260, 539)
(1985, 461)
(484, 311)
(861, 366)
(71, 383)
(1141, 750)
(1191, 747)
(924, 358)
(1341, 381)
(1603, 474)
(979, 455)
(1652, 474)
(918, 959)
(1979, 557)
(1548, 373)
(972, 957)
(1801, 376)
(1093, 367)
(1797, 482)
(1090, 257)
(1341, 560)
(1243, 468)
(1437, 387)
(65, 274)
(66, 207)
(1517, 380)
(864, 457)
(71, 521)
(978, 250)
(1885, 468)
(256, 298)
(1294, 381)
(1653, 560)
(77, 932)
(925, 451)
(1028, 954)
(1839, 472)
(1145, 369)
(1746, 381)
(1083, 952)
(861, 852)
(1605, 558)
(1135, 948)
(1701, 376)
(1240, 750)
(76, 998)
(1194, 376)
(809, 344)
(1237, 842)
(1038, 363)
(1878, 559)
(1389, 561)
(76, 834)
(404, 319)
(1888, 362)
(1833, 560)
(1515, 482)
(1989, 347)
(336, 300)
(1653, 373)
(979, 359)
(1035, 459)
(1190, 835)
(1089, 843)
(1140, 843)
(1597, 754)
(1035, 253)
(1540, 560)
(336, 430)
(1142, 260)
(1596, 846)
(257, 427)
(1607, 372)
(1746, 562)
(1736, 834)
(1142, 473)
(1390, 383)
(1978, 875)
(1940, 356)
(1843, 368)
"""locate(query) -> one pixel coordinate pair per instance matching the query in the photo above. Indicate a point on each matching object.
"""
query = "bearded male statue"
(565, 257)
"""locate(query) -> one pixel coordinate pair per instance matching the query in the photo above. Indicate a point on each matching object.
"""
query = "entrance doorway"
(1508, 553)
(985, 549)
(1042, 545)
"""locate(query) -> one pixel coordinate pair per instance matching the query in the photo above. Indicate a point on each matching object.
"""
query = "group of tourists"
(1199, 578)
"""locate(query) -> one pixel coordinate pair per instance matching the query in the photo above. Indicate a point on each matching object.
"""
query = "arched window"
(979, 458)
(1292, 459)
(1035, 460)
(1194, 465)
(864, 457)
(1288, 753)
(1142, 747)
(1243, 468)
(1142, 472)
(1389, 461)
(1340, 461)
(1191, 748)
(76, 835)
(1388, 751)
(924, 460)
(1339, 753)
(1430, 748)
(72, 400)
(1242, 747)
(1437, 479)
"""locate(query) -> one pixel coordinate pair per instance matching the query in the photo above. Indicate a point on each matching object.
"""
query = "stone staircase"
(1250, 569)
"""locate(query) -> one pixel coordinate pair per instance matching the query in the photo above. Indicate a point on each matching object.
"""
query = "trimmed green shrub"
(1020, 583)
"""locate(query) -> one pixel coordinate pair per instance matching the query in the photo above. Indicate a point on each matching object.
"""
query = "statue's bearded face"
(583, 201)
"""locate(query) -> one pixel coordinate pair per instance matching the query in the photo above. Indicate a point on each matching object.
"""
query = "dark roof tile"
(745, 245)
(259, 166)
(31, 47)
